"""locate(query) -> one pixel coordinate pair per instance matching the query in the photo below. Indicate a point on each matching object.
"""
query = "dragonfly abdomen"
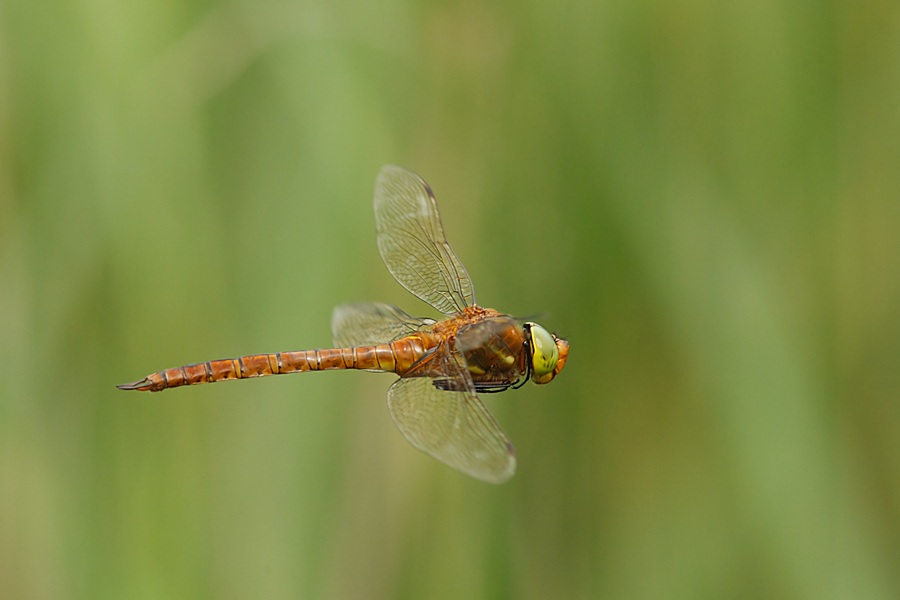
(258, 365)
(396, 357)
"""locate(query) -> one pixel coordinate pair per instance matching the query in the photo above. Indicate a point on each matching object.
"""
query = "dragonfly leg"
(488, 388)
(492, 388)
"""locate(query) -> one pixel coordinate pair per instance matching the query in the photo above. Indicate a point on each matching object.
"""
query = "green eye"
(544, 353)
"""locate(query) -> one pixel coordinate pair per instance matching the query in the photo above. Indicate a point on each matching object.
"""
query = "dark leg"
(480, 387)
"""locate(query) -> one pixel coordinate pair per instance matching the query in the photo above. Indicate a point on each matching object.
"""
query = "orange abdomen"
(396, 357)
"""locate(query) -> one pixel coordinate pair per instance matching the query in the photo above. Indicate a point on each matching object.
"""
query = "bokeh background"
(704, 196)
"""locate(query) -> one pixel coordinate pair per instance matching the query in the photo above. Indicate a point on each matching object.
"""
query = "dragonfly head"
(547, 353)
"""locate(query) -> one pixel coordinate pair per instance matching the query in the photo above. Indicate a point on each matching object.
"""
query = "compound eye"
(544, 354)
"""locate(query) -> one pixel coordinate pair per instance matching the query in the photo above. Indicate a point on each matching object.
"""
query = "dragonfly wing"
(413, 245)
(451, 424)
(371, 323)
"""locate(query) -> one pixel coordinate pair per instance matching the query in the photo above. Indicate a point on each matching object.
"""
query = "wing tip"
(389, 170)
(499, 478)
(495, 477)
(386, 170)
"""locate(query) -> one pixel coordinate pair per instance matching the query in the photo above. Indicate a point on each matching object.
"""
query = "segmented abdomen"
(396, 357)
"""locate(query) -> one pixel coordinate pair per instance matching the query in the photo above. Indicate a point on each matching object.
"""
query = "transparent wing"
(413, 245)
(451, 424)
(370, 324)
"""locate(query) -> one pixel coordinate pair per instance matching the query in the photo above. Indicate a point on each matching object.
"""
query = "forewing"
(452, 424)
(413, 245)
(370, 324)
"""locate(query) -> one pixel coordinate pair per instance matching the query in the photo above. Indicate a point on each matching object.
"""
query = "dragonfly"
(443, 364)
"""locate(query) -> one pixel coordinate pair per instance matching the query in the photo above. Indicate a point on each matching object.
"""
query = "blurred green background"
(704, 196)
